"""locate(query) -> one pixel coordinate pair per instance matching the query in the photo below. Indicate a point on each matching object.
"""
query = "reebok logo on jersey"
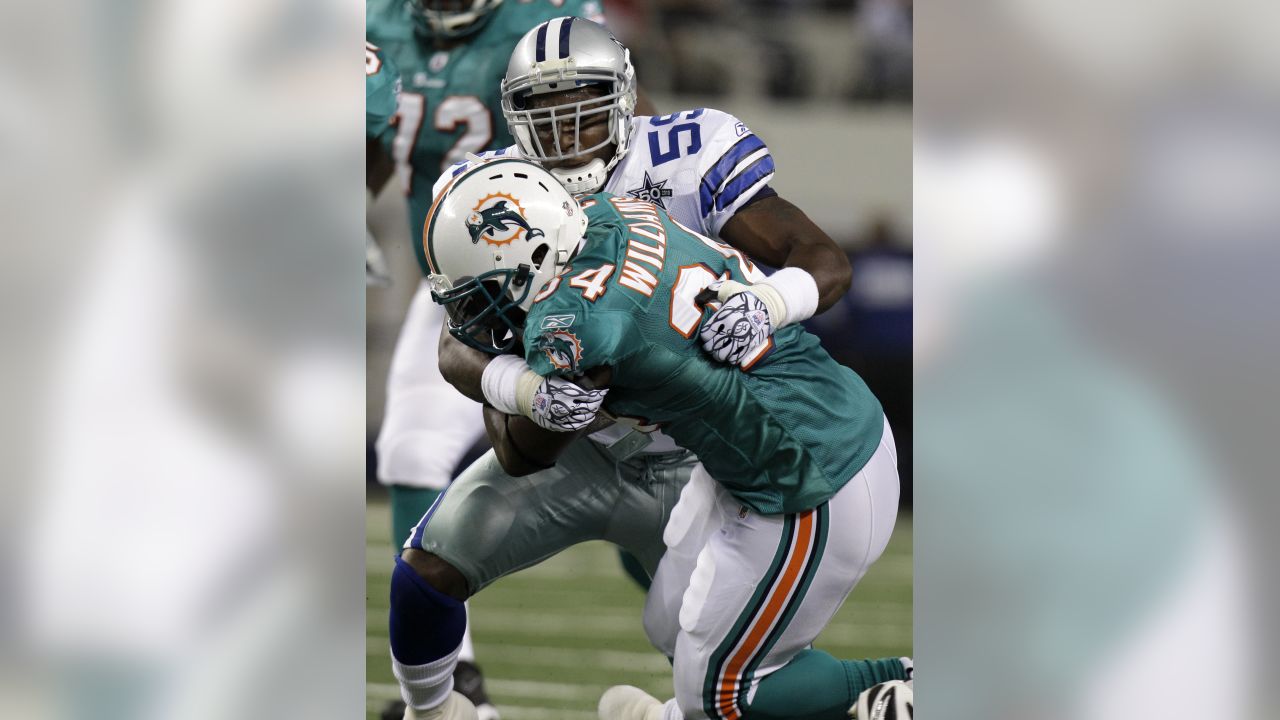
(553, 322)
(498, 222)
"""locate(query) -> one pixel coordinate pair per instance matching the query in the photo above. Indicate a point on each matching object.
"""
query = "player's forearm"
(828, 266)
(807, 247)
(522, 447)
(462, 367)
(778, 233)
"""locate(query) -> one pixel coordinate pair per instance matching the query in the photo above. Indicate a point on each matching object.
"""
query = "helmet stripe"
(540, 53)
(564, 37)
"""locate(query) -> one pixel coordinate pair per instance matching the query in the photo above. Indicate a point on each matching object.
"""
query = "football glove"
(741, 326)
(890, 700)
(552, 403)
(740, 329)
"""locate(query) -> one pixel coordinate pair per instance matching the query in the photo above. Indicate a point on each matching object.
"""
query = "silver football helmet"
(563, 54)
(450, 18)
(494, 236)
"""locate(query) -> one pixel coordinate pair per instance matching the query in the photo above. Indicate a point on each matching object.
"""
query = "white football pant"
(428, 425)
(738, 594)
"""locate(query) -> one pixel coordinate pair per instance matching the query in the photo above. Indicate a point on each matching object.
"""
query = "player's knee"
(438, 572)
(425, 623)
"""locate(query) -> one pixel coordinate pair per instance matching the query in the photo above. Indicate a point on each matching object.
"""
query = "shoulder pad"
(459, 167)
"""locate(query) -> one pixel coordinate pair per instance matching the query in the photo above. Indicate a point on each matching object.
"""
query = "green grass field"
(552, 638)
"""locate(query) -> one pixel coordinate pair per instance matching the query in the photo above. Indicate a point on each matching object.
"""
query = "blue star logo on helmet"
(498, 219)
(651, 191)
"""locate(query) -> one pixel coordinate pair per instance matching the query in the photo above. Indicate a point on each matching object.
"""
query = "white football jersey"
(701, 166)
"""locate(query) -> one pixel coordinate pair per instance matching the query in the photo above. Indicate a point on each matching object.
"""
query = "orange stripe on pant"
(727, 702)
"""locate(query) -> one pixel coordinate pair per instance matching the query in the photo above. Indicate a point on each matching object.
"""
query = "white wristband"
(526, 388)
(500, 380)
(798, 292)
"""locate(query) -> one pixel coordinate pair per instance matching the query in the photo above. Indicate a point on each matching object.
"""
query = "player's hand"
(551, 402)
(561, 406)
(740, 329)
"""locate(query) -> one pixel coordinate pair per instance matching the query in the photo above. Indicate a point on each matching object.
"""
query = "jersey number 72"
(455, 110)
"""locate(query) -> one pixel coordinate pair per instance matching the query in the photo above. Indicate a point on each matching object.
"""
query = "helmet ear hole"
(540, 254)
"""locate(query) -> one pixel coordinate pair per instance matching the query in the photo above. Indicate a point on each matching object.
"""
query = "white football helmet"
(563, 54)
(494, 236)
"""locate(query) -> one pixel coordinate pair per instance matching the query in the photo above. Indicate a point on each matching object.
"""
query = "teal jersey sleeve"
(381, 90)
(566, 333)
(783, 436)
(570, 343)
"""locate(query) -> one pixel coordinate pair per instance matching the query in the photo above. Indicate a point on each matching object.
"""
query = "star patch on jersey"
(652, 192)
(495, 220)
(563, 349)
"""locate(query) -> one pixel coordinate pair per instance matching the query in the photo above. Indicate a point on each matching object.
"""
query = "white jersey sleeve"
(702, 166)
(457, 168)
(733, 166)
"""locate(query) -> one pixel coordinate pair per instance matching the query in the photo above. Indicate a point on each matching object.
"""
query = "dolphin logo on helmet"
(488, 288)
(495, 218)
(487, 222)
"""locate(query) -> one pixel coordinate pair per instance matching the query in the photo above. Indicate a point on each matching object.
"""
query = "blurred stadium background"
(827, 84)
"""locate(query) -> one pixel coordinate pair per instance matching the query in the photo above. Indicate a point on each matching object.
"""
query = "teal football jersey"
(449, 99)
(782, 436)
(381, 89)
